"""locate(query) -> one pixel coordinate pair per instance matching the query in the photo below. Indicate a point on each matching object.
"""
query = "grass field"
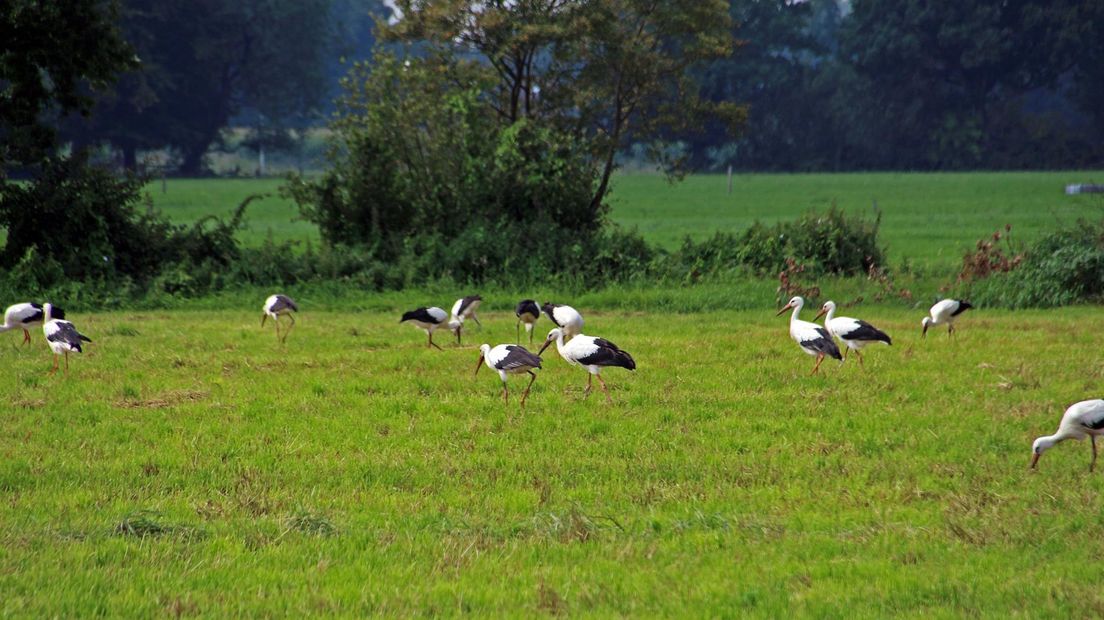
(191, 466)
(928, 219)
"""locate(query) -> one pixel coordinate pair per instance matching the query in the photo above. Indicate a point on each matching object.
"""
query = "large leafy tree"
(205, 62)
(51, 55)
(605, 72)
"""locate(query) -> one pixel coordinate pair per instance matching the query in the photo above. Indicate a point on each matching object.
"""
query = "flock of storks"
(1080, 420)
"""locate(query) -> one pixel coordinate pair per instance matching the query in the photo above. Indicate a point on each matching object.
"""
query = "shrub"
(1062, 268)
(829, 243)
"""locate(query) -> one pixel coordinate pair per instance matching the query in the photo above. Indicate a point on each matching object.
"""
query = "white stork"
(429, 319)
(592, 354)
(565, 317)
(465, 308)
(527, 312)
(944, 313)
(509, 359)
(62, 337)
(854, 333)
(26, 315)
(812, 338)
(276, 306)
(1083, 419)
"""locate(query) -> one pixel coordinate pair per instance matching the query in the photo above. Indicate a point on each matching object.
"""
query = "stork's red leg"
(26, 337)
(505, 393)
(820, 358)
(590, 380)
(66, 363)
(859, 355)
(605, 389)
(1092, 465)
(55, 368)
(525, 394)
(434, 344)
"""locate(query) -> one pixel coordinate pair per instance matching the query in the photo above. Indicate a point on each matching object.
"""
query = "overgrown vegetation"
(1063, 268)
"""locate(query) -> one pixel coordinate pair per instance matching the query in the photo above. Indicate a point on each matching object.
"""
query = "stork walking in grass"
(62, 337)
(527, 312)
(429, 319)
(855, 334)
(277, 306)
(509, 359)
(465, 308)
(1081, 420)
(25, 316)
(566, 318)
(812, 338)
(593, 354)
(944, 313)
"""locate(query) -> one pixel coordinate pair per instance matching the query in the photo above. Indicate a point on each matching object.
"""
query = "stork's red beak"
(263, 317)
(819, 314)
(784, 308)
(546, 343)
(478, 365)
(924, 334)
(1034, 459)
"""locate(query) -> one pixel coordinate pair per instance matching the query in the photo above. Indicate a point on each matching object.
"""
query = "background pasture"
(928, 219)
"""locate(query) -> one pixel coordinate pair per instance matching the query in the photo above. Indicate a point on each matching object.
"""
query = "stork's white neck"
(831, 314)
(796, 309)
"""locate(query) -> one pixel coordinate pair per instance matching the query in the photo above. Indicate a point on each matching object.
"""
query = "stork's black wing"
(527, 306)
(824, 344)
(608, 354)
(518, 357)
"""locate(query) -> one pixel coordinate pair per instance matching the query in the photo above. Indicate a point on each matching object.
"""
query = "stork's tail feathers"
(624, 360)
(963, 306)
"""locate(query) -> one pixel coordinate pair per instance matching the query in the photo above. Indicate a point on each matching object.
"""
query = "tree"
(52, 54)
(603, 72)
(939, 69)
(205, 62)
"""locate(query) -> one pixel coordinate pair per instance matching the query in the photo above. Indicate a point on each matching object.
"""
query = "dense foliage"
(205, 63)
(51, 55)
(485, 151)
(1062, 268)
(830, 243)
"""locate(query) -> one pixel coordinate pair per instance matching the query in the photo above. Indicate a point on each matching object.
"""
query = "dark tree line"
(913, 84)
(830, 84)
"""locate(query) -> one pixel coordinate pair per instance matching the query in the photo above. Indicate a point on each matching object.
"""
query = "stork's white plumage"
(428, 320)
(812, 338)
(465, 308)
(61, 336)
(25, 316)
(1081, 420)
(527, 312)
(277, 306)
(565, 317)
(509, 359)
(854, 333)
(592, 353)
(944, 313)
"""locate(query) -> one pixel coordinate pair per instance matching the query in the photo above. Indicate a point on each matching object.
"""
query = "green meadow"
(928, 219)
(189, 465)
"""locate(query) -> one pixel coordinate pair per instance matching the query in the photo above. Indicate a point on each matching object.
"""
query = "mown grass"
(190, 465)
(929, 220)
